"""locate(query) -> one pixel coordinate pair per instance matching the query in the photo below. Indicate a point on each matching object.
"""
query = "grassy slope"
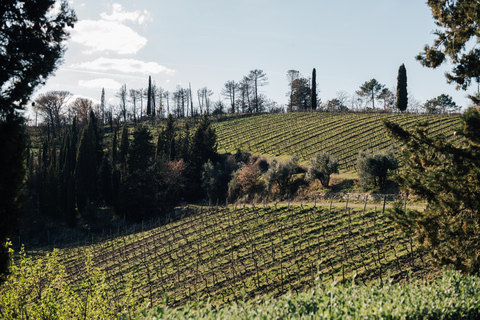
(342, 135)
(228, 254)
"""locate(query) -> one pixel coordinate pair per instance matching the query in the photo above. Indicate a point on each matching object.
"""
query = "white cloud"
(100, 83)
(107, 36)
(123, 65)
(120, 15)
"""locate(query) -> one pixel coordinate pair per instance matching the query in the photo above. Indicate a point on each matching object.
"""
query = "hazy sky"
(208, 42)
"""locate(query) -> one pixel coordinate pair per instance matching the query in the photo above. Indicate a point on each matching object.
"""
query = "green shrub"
(322, 166)
(40, 289)
(373, 167)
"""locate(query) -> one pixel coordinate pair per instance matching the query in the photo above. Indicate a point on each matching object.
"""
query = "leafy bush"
(373, 167)
(322, 166)
(280, 174)
(40, 289)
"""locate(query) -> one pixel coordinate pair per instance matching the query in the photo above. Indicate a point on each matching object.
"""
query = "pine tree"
(402, 95)
(313, 93)
(445, 173)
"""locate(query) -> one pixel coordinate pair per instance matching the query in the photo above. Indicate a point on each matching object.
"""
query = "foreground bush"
(40, 289)
(451, 297)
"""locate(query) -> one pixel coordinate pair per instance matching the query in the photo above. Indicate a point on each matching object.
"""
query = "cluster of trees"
(303, 94)
(31, 44)
(77, 171)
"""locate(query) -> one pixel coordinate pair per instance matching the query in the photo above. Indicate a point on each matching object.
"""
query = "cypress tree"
(124, 146)
(141, 150)
(86, 167)
(114, 148)
(70, 213)
(402, 95)
(105, 180)
(149, 95)
(160, 149)
(98, 137)
(313, 92)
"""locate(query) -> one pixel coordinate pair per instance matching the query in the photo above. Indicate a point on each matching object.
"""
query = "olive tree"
(373, 167)
(322, 166)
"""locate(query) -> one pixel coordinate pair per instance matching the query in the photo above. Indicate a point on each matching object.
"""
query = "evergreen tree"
(456, 41)
(105, 187)
(402, 95)
(86, 167)
(370, 89)
(141, 150)
(149, 96)
(70, 213)
(166, 141)
(114, 148)
(98, 136)
(32, 43)
(445, 173)
(313, 93)
(124, 146)
(204, 144)
(12, 144)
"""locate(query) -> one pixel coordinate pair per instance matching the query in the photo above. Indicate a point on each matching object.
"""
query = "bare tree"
(134, 97)
(245, 90)
(160, 96)
(342, 97)
(51, 106)
(191, 99)
(82, 107)
(204, 102)
(166, 95)
(103, 105)
(122, 94)
(259, 79)
(292, 75)
(229, 90)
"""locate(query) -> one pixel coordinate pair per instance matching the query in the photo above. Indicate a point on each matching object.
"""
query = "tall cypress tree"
(149, 96)
(313, 92)
(86, 167)
(402, 95)
(114, 148)
(124, 146)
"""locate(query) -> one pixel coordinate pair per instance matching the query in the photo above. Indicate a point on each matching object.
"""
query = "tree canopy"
(31, 45)
(370, 89)
(441, 104)
(458, 22)
(32, 39)
(447, 175)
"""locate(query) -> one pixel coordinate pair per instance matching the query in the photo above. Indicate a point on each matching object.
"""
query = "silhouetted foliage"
(446, 175)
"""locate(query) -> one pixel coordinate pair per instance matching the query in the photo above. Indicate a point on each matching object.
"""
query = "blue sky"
(208, 42)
